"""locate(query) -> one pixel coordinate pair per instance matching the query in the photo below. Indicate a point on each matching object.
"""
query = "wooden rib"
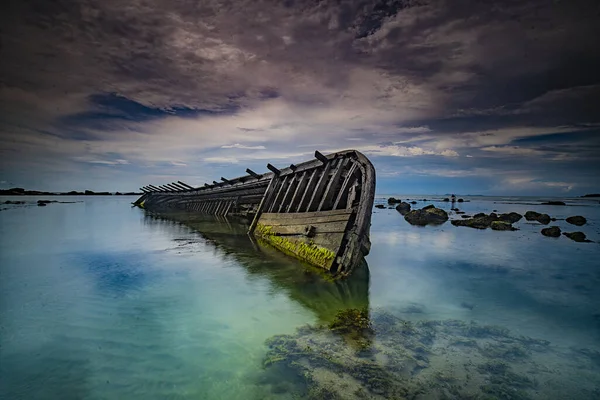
(276, 198)
(343, 193)
(333, 185)
(309, 187)
(288, 191)
(293, 216)
(264, 203)
(299, 188)
(313, 203)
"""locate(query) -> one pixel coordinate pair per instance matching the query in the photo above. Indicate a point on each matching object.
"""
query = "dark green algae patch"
(380, 356)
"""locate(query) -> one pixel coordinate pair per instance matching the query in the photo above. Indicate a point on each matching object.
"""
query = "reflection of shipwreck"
(318, 211)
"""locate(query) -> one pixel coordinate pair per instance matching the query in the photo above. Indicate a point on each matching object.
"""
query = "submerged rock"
(479, 221)
(536, 216)
(14, 202)
(502, 226)
(413, 202)
(465, 216)
(427, 215)
(577, 220)
(554, 203)
(577, 236)
(446, 199)
(460, 200)
(511, 217)
(379, 206)
(553, 231)
(403, 208)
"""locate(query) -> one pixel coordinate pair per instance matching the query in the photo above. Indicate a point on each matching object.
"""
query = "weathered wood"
(307, 214)
(332, 186)
(321, 157)
(278, 195)
(273, 169)
(298, 190)
(253, 174)
(318, 192)
(300, 229)
(227, 181)
(343, 193)
(186, 185)
(288, 192)
(266, 220)
(312, 182)
(263, 202)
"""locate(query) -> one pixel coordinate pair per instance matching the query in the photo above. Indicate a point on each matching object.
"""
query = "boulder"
(428, 215)
(532, 215)
(577, 220)
(446, 199)
(428, 207)
(379, 206)
(460, 212)
(544, 219)
(536, 216)
(502, 226)
(511, 217)
(14, 202)
(393, 200)
(460, 200)
(554, 203)
(465, 216)
(413, 202)
(553, 231)
(576, 236)
(403, 208)
(479, 215)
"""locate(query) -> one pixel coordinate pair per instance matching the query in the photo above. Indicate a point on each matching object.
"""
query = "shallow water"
(99, 300)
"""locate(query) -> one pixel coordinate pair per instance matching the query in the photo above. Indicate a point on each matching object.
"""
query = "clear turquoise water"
(99, 301)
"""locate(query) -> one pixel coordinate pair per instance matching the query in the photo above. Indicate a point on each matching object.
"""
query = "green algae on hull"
(305, 251)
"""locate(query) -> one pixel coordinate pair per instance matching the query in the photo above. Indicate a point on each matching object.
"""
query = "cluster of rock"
(431, 215)
(502, 222)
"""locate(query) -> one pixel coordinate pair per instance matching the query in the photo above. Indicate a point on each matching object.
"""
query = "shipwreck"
(318, 211)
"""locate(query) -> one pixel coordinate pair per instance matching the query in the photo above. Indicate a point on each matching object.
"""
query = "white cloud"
(241, 146)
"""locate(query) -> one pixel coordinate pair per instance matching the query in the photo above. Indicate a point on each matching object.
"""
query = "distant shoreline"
(23, 192)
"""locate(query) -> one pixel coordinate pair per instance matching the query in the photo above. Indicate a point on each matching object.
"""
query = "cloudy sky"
(443, 96)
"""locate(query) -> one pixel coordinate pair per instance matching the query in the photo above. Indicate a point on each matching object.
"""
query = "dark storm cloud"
(213, 79)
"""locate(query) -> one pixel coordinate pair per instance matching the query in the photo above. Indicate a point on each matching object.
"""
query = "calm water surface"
(100, 301)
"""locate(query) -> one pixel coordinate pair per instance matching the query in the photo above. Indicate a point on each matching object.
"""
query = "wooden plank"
(316, 221)
(333, 185)
(343, 193)
(306, 214)
(307, 191)
(288, 192)
(330, 227)
(318, 191)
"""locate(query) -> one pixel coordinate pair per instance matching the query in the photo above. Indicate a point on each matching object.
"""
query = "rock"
(44, 202)
(536, 216)
(495, 210)
(428, 207)
(454, 209)
(379, 206)
(553, 231)
(426, 216)
(479, 221)
(14, 202)
(413, 202)
(465, 216)
(554, 203)
(577, 220)
(460, 212)
(446, 199)
(544, 219)
(393, 200)
(403, 208)
(41, 204)
(460, 200)
(502, 226)
(576, 236)
(511, 217)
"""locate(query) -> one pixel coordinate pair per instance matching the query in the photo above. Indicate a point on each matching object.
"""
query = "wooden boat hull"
(318, 211)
